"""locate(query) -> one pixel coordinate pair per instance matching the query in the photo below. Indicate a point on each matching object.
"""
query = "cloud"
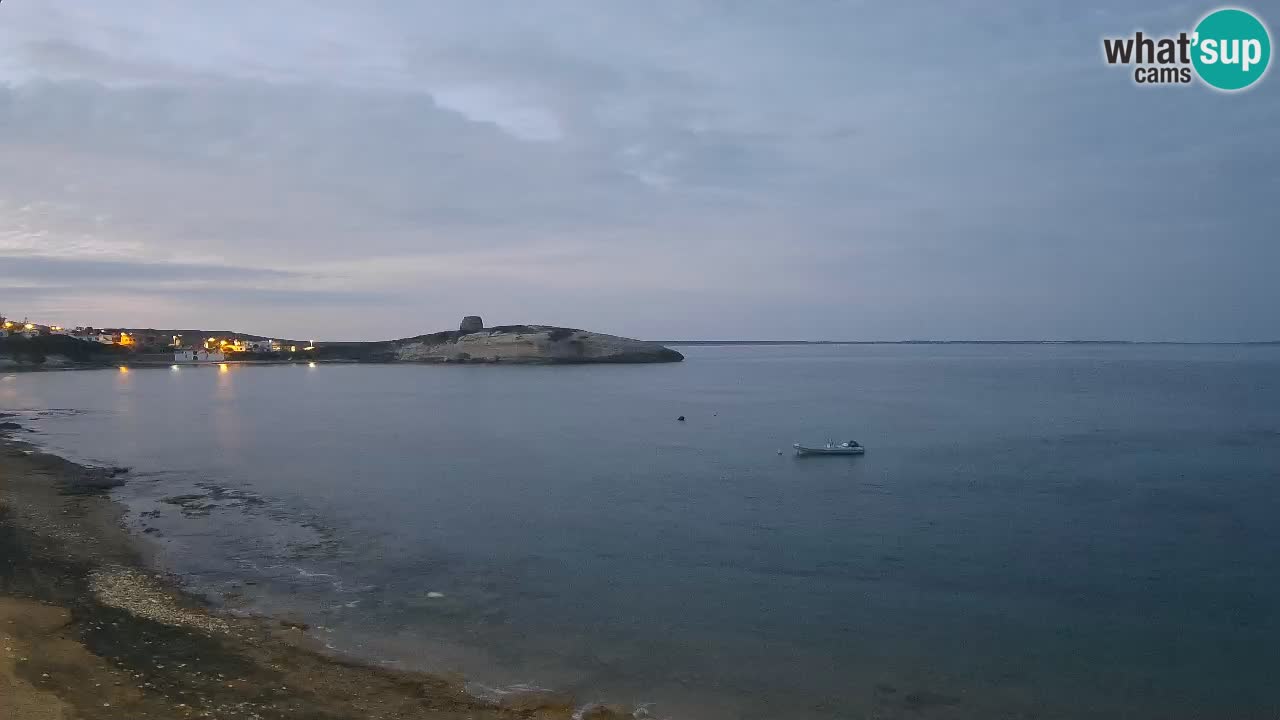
(600, 163)
(38, 268)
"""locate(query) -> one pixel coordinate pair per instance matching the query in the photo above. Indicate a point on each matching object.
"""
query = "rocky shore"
(88, 632)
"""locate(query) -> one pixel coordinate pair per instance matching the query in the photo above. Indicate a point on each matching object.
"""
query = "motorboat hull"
(802, 450)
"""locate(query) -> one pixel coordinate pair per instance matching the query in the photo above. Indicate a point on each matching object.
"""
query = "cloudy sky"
(660, 169)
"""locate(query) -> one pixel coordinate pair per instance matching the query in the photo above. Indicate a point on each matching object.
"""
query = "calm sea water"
(1035, 532)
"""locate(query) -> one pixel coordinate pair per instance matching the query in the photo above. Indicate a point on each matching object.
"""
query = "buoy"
(435, 595)
(779, 452)
(681, 418)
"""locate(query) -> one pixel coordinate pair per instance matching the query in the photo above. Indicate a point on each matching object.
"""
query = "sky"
(668, 169)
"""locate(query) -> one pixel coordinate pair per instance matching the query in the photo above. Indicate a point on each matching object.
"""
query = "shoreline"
(89, 630)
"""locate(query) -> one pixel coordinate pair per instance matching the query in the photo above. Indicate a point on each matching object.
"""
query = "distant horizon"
(963, 341)
(704, 341)
(968, 342)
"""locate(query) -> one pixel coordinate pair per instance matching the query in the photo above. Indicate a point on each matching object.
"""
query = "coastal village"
(161, 346)
(30, 344)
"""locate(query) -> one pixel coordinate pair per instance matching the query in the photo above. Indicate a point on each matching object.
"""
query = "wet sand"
(88, 632)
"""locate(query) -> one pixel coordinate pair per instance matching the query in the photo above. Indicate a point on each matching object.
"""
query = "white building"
(198, 356)
(90, 335)
(261, 345)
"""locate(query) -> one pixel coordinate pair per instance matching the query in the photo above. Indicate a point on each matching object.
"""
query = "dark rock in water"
(183, 499)
(546, 705)
(607, 712)
(119, 470)
(680, 419)
(191, 505)
(10, 426)
(470, 324)
(925, 699)
(96, 479)
(294, 624)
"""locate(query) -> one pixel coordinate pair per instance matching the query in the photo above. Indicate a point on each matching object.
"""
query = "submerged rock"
(541, 704)
(95, 479)
(607, 712)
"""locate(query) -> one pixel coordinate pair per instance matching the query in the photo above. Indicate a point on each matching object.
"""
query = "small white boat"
(844, 448)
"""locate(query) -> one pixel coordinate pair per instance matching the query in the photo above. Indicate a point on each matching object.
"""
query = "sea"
(1035, 531)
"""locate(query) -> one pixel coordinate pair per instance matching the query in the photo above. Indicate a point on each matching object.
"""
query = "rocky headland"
(472, 342)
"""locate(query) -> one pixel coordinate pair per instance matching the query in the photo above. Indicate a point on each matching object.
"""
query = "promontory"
(472, 342)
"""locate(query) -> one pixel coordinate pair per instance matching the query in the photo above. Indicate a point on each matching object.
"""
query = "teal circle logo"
(1232, 49)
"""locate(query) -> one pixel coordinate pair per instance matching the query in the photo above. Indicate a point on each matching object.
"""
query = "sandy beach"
(87, 631)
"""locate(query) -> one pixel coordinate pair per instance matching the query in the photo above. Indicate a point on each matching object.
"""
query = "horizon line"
(968, 342)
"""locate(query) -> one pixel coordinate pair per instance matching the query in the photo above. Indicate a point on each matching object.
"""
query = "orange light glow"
(124, 369)
(125, 339)
(30, 326)
(223, 368)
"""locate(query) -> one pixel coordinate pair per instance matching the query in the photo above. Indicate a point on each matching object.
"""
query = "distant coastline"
(960, 342)
(34, 346)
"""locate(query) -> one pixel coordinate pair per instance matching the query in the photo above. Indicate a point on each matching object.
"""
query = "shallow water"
(1036, 531)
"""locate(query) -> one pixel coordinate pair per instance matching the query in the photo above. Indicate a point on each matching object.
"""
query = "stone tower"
(471, 323)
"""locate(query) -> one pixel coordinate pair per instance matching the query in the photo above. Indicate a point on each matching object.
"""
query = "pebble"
(143, 596)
